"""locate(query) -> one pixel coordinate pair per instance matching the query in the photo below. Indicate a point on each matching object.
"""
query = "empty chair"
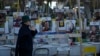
(12, 52)
(41, 52)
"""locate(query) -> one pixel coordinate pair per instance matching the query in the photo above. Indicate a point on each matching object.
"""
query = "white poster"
(97, 24)
(18, 14)
(6, 27)
(70, 24)
(46, 24)
(16, 30)
(54, 26)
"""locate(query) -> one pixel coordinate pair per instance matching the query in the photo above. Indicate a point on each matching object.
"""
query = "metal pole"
(80, 22)
(70, 4)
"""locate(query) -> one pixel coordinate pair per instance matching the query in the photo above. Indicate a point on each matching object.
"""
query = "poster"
(17, 16)
(54, 26)
(94, 31)
(46, 24)
(61, 23)
(94, 28)
(10, 23)
(17, 21)
(70, 25)
(95, 24)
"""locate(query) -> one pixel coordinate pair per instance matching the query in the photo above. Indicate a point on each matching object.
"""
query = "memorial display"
(64, 27)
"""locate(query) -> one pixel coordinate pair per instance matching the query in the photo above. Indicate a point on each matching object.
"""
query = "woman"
(26, 33)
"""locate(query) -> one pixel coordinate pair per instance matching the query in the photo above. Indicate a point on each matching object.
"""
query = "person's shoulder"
(23, 29)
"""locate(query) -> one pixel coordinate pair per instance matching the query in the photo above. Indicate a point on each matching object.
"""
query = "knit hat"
(25, 19)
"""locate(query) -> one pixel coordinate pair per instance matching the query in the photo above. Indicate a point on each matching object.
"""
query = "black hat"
(25, 19)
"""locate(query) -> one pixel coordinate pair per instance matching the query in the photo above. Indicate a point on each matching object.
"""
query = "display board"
(61, 25)
(94, 31)
(17, 21)
(46, 24)
(70, 25)
(66, 25)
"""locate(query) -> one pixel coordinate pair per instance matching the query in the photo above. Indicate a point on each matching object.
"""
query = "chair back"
(41, 52)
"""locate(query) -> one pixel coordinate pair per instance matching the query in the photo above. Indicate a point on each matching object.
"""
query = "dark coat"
(25, 39)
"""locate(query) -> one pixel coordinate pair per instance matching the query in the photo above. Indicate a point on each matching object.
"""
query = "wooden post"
(70, 4)
(80, 22)
(18, 6)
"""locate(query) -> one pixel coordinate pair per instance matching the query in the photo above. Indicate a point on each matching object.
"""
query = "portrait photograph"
(46, 25)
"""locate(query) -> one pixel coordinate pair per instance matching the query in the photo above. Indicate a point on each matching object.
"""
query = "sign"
(70, 24)
(3, 11)
(94, 23)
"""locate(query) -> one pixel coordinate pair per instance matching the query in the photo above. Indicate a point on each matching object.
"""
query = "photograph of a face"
(94, 33)
(17, 21)
(46, 26)
(94, 27)
(17, 18)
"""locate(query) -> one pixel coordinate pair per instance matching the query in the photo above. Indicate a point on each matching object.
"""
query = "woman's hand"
(32, 28)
